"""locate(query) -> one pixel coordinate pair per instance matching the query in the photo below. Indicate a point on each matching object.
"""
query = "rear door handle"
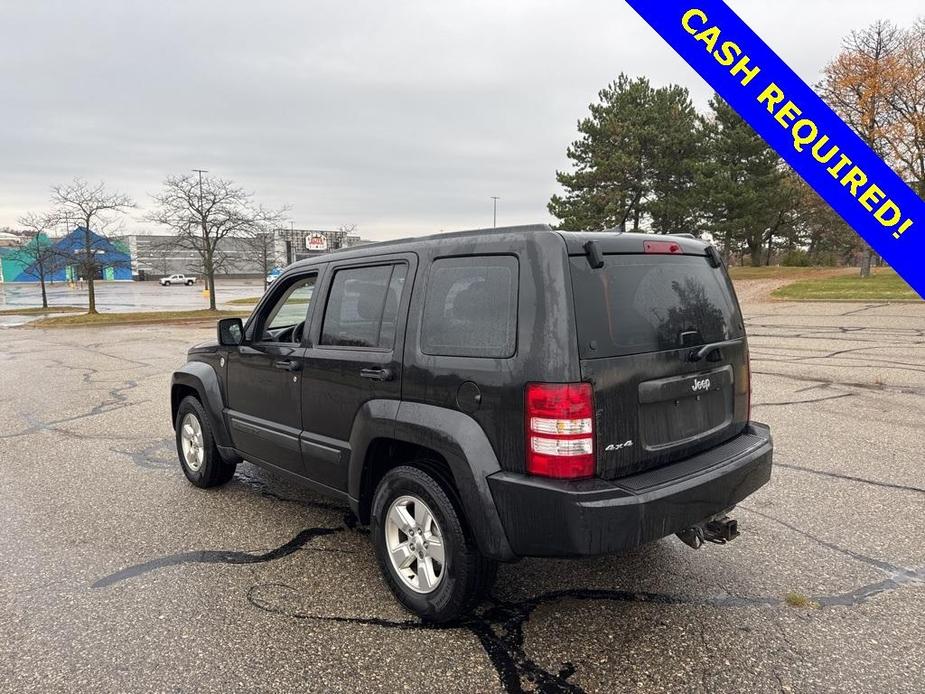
(377, 374)
(288, 364)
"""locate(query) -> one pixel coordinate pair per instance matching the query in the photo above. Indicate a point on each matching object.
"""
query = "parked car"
(273, 275)
(177, 279)
(482, 396)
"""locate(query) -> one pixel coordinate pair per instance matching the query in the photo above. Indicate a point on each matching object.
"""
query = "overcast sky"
(400, 117)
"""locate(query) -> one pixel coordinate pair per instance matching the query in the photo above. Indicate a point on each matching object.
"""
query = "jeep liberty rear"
(482, 396)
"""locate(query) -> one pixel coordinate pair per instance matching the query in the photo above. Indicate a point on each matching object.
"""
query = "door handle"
(377, 374)
(288, 364)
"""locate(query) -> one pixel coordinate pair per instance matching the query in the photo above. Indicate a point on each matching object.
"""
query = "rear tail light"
(560, 430)
(662, 247)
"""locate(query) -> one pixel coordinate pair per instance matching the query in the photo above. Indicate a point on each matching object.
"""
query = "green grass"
(131, 318)
(795, 599)
(739, 272)
(39, 311)
(883, 285)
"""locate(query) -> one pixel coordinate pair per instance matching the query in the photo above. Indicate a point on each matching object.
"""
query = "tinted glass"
(651, 303)
(362, 307)
(471, 307)
(293, 306)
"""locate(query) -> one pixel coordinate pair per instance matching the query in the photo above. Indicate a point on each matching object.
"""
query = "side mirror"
(230, 332)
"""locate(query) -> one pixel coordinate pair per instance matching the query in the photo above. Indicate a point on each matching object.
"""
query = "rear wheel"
(426, 557)
(189, 283)
(199, 457)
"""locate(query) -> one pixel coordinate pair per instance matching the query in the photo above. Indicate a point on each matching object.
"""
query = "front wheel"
(167, 284)
(199, 457)
(427, 559)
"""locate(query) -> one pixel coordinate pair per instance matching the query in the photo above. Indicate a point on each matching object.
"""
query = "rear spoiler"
(595, 256)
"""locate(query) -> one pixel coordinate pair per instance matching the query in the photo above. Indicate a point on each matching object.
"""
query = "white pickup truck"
(178, 279)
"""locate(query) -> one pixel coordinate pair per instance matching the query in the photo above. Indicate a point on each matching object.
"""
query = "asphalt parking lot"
(124, 296)
(120, 576)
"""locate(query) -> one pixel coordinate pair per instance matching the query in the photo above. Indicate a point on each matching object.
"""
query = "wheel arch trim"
(202, 379)
(458, 439)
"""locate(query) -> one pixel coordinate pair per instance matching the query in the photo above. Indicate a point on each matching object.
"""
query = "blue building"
(112, 258)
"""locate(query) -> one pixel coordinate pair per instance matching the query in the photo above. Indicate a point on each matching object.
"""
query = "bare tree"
(39, 253)
(907, 100)
(203, 211)
(93, 206)
(262, 245)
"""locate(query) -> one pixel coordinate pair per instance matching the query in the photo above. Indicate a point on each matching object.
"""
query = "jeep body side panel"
(263, 403)
(339, 380)
(546, 349)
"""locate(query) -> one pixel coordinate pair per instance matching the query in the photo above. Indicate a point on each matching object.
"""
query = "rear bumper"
(554, 518)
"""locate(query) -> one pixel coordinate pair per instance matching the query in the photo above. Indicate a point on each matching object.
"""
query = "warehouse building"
(156, 255)
(146, 256)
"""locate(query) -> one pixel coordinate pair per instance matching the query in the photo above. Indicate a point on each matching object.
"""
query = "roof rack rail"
(684, 235)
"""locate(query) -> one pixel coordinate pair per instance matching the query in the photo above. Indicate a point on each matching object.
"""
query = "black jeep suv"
(481, 396)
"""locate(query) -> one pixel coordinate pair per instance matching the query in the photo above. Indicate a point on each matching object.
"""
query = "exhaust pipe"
(719, 531)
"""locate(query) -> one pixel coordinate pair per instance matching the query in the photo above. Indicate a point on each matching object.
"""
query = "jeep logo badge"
(701, 384)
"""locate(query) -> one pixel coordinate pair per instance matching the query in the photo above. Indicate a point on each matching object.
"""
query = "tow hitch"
(719, 531)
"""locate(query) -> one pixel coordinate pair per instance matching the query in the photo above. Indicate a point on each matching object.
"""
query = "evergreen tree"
(743, 186)
(676, 162)
(635, 161)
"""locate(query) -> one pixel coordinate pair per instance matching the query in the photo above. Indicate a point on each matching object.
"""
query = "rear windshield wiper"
(706, 350)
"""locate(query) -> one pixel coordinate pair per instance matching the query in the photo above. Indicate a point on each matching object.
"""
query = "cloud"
(401, 117)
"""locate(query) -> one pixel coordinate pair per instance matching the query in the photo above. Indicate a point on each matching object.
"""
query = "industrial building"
(146, 256)
(154, 256)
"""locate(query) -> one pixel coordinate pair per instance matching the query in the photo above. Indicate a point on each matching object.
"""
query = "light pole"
(205, 237)
(494, 211)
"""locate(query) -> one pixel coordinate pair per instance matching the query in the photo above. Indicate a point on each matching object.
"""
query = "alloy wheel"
(415, 544)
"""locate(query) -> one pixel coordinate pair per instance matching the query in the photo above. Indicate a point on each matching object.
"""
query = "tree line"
(647, 160)
(198, 211)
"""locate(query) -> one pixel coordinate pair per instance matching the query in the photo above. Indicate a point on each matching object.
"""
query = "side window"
(470, 309)
(292, 307)
(362, 308)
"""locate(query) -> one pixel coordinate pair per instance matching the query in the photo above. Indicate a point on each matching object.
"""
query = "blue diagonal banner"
(793, 120)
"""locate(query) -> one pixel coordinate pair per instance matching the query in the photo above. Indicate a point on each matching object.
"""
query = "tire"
(189, 283)
(202, 466)
(465, 575)
(167, 283)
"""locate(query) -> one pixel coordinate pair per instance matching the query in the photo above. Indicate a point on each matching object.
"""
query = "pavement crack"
(206, 556)
(803, 402)
(851, 478)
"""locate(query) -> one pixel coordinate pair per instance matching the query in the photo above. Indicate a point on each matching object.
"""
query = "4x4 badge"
(618, 446)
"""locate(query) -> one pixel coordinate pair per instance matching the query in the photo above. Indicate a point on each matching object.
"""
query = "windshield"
(651, 303)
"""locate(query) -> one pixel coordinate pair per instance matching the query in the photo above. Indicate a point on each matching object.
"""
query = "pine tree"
(635, 161)
(743, 183)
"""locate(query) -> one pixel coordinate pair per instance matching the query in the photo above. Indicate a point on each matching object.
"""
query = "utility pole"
(200, 172)
(494, 206)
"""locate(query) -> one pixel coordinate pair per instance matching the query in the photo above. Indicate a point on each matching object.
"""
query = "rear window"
(470, 309)
(362, 308)
(651, 303)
